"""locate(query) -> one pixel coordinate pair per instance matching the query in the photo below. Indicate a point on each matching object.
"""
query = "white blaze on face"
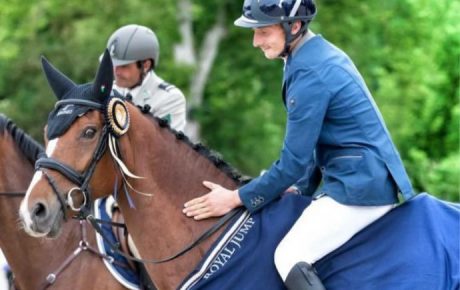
(51, 146)
(24, 208)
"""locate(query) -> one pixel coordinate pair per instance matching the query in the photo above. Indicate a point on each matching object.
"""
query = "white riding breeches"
(323, 226)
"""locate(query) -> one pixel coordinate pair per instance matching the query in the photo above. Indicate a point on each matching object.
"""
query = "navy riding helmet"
(260, 13)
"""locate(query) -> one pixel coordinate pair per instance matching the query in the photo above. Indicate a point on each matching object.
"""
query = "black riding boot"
(303, 277)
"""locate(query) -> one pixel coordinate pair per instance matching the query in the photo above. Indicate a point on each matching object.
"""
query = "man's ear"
(147, 65)
(296, 26)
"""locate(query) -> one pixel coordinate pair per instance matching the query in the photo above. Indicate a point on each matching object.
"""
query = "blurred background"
(407, 50)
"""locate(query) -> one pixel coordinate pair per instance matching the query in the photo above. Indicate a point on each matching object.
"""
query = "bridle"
(80, 179)
(83, 179)
(83, 245)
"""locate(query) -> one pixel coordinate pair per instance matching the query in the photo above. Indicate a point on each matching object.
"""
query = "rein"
(206, 234)
(13, 194)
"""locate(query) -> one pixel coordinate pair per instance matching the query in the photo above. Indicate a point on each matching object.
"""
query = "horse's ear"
(59, 83)
(104, 78)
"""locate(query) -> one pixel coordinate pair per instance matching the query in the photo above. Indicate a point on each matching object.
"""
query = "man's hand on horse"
(217, 202)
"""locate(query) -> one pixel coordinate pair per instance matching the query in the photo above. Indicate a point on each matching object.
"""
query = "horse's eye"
(89, 133)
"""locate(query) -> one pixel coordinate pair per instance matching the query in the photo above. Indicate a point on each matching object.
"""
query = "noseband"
(80, 179)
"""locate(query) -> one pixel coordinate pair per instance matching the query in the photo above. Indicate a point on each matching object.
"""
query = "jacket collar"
(309, 35)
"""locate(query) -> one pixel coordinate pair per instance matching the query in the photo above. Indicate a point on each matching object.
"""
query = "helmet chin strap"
(289, 37)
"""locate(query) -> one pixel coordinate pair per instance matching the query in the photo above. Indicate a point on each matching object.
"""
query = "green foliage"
(437, 177)
(71, 35)
(243, 115)
(408, 52)
(405, 51)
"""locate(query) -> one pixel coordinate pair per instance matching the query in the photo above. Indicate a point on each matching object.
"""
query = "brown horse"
(169, 175)
(99, 142)
(70, 257)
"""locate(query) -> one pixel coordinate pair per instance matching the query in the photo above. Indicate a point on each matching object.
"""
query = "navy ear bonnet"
(63, 115)
(60, 119)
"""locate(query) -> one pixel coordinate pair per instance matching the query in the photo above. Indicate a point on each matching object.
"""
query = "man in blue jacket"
(334, 134)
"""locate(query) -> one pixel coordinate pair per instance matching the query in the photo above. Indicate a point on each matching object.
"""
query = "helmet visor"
(259, 13)
(118, 62)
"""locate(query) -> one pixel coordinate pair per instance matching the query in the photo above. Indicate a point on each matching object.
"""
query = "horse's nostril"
(39, 210)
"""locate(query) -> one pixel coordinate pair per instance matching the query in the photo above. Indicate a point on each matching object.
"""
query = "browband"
(78, 102)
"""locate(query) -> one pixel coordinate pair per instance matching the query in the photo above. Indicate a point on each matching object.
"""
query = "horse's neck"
(173, 174)
(32, 259)
(28, 257)
(17, 170)
(19, 249)
(168, 165)
(15, 175)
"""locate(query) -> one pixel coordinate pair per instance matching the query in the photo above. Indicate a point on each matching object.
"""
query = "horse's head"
(76, 147)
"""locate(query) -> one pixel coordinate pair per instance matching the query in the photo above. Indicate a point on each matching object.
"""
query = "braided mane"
(212, 156)
(26, 144)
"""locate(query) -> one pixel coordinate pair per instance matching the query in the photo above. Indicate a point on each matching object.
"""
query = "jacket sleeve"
(307, 99)
(309, 182)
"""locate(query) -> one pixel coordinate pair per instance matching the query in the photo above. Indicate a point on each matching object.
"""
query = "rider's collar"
(309, 35)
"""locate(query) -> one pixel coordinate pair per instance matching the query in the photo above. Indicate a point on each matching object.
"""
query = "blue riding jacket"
(333, 125)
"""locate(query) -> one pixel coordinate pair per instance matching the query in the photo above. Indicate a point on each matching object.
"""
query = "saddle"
(121, 234)
(127, 272)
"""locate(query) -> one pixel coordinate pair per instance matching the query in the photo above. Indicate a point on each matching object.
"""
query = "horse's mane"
(212, 156)
(26, 144)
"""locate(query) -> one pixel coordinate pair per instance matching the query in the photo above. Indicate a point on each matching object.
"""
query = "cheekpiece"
(117, 116)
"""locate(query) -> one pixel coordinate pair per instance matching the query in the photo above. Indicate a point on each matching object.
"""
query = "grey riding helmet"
(260, 13)
(132, 43)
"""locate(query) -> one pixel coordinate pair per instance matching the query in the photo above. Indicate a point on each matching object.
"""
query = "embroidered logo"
(232, 246)
(257, 200)
(113, 48)
(67, 110)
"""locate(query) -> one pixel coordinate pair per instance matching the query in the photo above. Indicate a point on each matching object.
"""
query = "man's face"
(127, 76)
(270, 39)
